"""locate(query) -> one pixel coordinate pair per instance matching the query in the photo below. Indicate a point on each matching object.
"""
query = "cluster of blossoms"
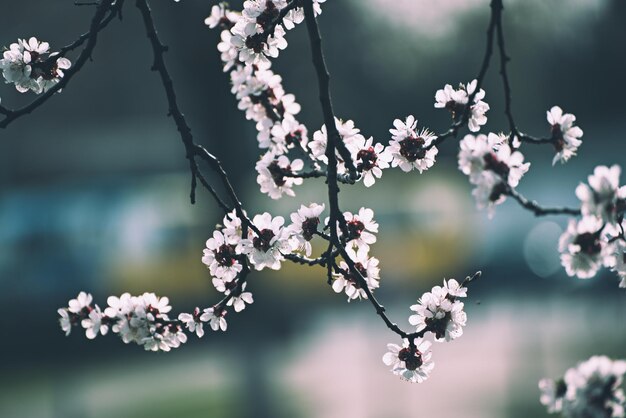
(590, 390)
(411, 149)
(361, 229)
(565, 136)
(30, 65)
(597, 239)
(438, 312)
(457, 100)
(142, 320)
(493, 162)
(492, 166)
(267, 244)
(248, 40)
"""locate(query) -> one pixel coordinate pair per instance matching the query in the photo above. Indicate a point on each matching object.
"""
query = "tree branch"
(192, 149)
(323, 78)
(456, 126)
(538, 210)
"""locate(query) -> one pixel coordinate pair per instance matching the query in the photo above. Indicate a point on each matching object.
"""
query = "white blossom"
(239, 301)
(583, 250)
(348, 134)
(274, 175)
(492, 166)
(620, 261)
(304, 224)
(287, 134)
(65, 321)
(232, 227)
(565, 135)
(603, 197)
(221, 16)
(361, 229)
(30, 66)
(489, 192)
(440, 312)
(454, 288)
(220, 256)
(93, 324)
(592, 389)
(228, 53)
(456, 101)
(412, 362)
(215, 316)
(491, 152)
(552, 393)
(268, 248)
(193, 322)
(411, 149)
(81, 303)
(349, 282)
(370, 159)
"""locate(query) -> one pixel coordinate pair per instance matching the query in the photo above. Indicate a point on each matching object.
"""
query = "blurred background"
(94, 196)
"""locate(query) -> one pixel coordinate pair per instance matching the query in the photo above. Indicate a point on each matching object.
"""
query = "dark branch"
(192, 149)
(334, 140)
(534, 207)
(456, 126)
(279, 18)
(504, 58)
(116, 11)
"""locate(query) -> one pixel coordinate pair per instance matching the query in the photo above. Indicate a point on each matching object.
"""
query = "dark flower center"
(589, 243)
(438, 326)
(269, 14)
(152, 310)
(85, 311)
(255, 42)
(355, 228)
(353, 277)
(230, 286)
(557, 137)
(411, 357)
(497, 191)
(368, 159)
(174, 328)
(278, 173)
(499, 167)
(455, 108)
(263, 241)
(34, 56)
(225, 23)
(225, 255)
(294, 138)
(44, 68)
(309, 228)
(412, 148)
(219, 312)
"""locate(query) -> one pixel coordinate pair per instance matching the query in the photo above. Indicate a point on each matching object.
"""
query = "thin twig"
(334, 140)
(504, 58)
(456, 126)
(538, 210)
(192, 149)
